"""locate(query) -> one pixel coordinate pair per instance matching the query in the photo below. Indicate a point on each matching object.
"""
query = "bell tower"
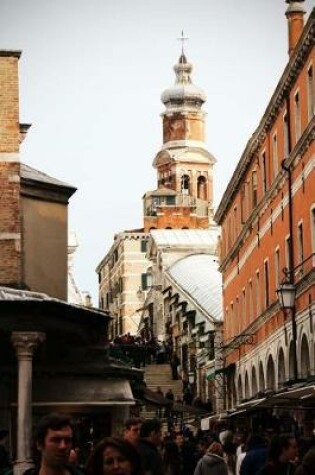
(184, 195)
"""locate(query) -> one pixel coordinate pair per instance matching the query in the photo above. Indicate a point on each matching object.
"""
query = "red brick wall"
(9, 104)
(10, 212)
(179, 219)
(180, 127)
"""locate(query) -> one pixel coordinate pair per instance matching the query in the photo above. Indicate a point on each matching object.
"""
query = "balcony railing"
(200, 207)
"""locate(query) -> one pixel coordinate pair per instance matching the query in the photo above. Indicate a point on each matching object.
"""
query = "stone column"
(119, 415)
(25, 344)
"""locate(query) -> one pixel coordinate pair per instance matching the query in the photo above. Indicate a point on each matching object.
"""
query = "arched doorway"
(247, 392)
(305, 358)
(240, 389)
(254, 381)
(261, 377)
(292, 357)
(281, 368)
(271, 382)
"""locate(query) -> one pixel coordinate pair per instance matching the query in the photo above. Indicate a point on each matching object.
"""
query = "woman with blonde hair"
(212, 463)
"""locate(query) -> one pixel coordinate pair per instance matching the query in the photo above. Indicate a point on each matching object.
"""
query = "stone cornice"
(15, 53)
(293, 68)
(46, 191)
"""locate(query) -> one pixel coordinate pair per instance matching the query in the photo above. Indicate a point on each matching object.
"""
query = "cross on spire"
(183, 39)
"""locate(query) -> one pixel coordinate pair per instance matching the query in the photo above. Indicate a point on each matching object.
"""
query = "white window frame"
(285, 120)
(275, 154)
(258, 295)
(310, 92)
(277, 267)
(266, 283)
(297, 115)
(300, 241)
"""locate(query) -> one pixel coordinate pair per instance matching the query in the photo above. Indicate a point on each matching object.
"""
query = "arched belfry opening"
(185, 184)
(202, 188)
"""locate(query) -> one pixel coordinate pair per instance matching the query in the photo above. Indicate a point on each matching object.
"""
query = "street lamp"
(286, 296)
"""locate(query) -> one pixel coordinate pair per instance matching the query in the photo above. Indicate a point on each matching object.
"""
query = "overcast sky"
(91, 76)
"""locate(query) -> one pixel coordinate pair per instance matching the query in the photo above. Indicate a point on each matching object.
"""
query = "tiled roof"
(29, 173)
(198, 275)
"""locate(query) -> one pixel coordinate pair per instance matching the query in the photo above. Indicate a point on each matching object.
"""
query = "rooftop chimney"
(295, 15)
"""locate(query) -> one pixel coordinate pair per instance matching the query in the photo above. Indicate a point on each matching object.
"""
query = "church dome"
(184, 94)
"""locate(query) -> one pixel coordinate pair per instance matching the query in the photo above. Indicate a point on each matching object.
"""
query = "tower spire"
(183, 38)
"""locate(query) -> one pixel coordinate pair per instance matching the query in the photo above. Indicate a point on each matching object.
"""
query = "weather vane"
(183, 39)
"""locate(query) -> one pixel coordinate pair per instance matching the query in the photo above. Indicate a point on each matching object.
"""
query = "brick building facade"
(33, 205)
(267, 215)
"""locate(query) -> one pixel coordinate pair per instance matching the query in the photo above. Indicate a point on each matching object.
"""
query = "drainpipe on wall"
(291, 275)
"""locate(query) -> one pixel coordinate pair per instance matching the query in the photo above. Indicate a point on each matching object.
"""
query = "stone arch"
(271, 380)
(305, 357)
(254, 381)
(281, 368)
(239, 389)
(202, 188)
(247, 390)
(261, 377)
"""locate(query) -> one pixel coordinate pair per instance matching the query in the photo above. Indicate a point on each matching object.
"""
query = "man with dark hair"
(53, 440)
(150, 439)
(132, 430)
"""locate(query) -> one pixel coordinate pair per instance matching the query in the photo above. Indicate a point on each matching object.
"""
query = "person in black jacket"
(150, 440)
(256, 455)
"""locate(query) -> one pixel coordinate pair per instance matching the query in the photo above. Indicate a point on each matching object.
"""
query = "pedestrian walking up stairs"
(160, 375)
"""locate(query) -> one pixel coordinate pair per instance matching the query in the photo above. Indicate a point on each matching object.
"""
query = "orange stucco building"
(267, 214)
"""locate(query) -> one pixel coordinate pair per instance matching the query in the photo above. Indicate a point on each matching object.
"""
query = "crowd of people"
(142, 450)
(174, 412)
(144, 349)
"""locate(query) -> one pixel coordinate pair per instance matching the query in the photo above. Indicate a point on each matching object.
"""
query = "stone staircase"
(159, 375)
